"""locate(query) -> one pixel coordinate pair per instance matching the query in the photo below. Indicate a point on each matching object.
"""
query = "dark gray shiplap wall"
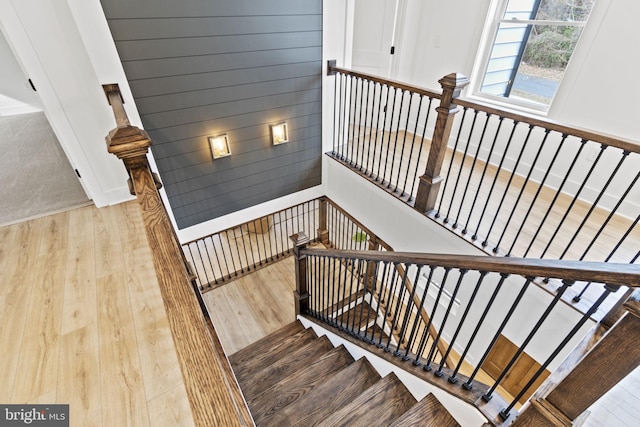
(204, 67)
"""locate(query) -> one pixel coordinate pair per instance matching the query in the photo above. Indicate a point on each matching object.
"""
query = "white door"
(373, 35)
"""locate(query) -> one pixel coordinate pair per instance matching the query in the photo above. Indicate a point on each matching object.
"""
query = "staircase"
(292, 377)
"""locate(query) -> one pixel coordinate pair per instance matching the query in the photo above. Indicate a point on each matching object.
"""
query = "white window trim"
(496, 8)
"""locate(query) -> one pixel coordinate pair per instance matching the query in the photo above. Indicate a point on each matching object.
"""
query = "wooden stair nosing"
(249, 352)
(380, 404)
(429, 412)
(298, 385)
(268, 356)
(330, 396)
(297, 359)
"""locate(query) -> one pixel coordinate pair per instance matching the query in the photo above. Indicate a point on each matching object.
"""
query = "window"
(530, 44)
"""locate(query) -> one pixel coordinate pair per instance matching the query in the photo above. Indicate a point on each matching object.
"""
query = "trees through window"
(533, 41)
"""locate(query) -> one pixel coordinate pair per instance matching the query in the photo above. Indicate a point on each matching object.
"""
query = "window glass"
(532, 45)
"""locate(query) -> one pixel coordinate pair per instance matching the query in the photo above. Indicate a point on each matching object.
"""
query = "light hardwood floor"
(83, 321)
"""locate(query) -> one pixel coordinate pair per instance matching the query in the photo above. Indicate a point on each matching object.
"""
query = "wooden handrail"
(332, 69)
(612, 273)
(610, 140)
(213, 398)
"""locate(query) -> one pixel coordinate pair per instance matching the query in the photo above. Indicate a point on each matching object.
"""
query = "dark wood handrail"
(214, 397)
(411, 88)
(611, 273)
(610, 140)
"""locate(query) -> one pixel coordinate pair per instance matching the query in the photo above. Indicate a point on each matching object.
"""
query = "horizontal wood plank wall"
(199, 69)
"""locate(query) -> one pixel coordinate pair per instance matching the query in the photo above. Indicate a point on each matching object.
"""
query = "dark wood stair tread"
(380, 405)
(334, 393)
(298, 385)
(258, 347)
(429, 412)
(296, 358)
(268, 356)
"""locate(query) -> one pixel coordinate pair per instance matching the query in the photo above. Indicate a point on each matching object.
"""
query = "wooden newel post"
(323, 230)
(301, 294)
(613, 358)
(429, 184)
(374, 245)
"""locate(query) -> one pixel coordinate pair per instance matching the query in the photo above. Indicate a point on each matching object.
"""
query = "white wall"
(47, 42)
(16, 95)
(444, 37)
(440, 38)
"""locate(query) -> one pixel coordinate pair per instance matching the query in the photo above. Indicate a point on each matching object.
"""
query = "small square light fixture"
(220, 146)
(279, 133)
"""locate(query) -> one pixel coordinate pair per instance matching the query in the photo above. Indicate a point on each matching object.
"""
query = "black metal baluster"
(364, 292)
(372, 293)
(357, 117)
(419, 318)
(224, 256)
(253, 255)
(524, 185)
(443, 323)
(439, 372)
(608, 290)
(404, 140)
(618, 245)
(335, 293)
(377, 128)
(540, 187)
(273, 221)
(449, 169)
(343, 112)
(424, 132)
(484, 171)
(205, 270)
(235, 238)
(452, 378)
(213, 271)
(400, 283)
(595, 202)
(469, 384)
(369, 118)
(460, 172)
(405, 321)
(555, 198)
(565, 284)
(336, 115)
(350, 268)
(365, 132)
(383, 285)
(386, 157)
(395, 144)
(413, 142)
(426, 334)
(352, 108)
(218, 262)
(233, 261)
(384, 125)
(473, 166)
(493, 185)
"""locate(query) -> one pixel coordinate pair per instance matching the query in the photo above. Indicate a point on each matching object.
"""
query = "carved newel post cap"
(128, 142)
(454, 80)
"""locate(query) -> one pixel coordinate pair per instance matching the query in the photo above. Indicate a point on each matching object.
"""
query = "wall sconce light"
(220, 146)
(279, 133)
